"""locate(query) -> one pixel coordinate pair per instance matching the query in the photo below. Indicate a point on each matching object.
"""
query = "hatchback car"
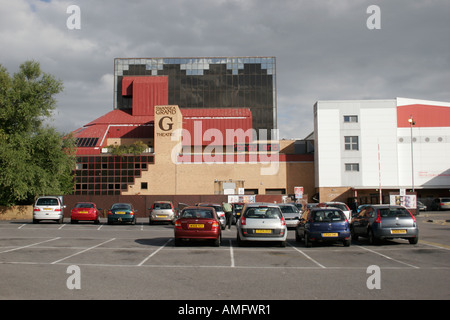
(197, 223)
(161, 211)
(324, 225)
(85, 211)
(122, 212)
(261, 222)
(219, 210)
(48, 208)
(291, 214)
(378, 222)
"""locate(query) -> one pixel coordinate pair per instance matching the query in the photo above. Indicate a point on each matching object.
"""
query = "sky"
(324, 49)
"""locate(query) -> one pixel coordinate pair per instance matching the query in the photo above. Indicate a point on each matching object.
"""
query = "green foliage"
(34, 159)
(136, 148)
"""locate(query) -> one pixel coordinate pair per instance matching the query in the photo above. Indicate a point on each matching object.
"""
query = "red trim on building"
(423, 115)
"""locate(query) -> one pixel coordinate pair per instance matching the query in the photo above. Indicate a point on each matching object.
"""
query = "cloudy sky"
(324, 49)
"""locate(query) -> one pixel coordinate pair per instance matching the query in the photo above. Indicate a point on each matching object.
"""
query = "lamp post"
(411, 122)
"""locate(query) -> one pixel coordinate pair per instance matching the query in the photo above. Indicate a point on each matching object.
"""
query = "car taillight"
(57, 209)
(109, 212)
(412, 216)
(178, 224)
(132, 213)
(283, 223)
(215, 225)
(243, 221)
(36, 209)
(378, 219)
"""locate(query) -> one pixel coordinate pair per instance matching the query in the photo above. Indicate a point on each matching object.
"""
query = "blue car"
(323, 225)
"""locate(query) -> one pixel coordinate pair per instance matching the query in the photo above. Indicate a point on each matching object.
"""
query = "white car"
(261, 222)
(339, 205)
(48, 208)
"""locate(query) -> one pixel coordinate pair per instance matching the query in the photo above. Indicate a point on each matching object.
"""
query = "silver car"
(161, 211)
(291, 214)
(48, 208)
(261, 222)
(219, 210)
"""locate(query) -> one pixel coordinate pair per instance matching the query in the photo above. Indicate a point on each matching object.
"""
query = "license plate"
(196, 226)
(263, 231)
(48, 209)
(120, 212)
(398, 231)
(160, 216)
(83, 211)
(330, 234)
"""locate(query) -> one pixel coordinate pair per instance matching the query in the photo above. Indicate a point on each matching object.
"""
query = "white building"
(364, 146)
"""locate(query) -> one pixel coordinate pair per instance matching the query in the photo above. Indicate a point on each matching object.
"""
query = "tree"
(34, 158)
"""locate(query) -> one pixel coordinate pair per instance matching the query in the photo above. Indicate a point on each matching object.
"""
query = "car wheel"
(372, 239)
(177, 242)
(217, 242)
(354, 236)
(308, 243)
(283, 244)
(239, 240)
(414, 240)
(297, 236)
(347, 243)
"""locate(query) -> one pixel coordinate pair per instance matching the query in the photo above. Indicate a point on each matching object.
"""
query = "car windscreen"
(394, 212)
(328, 216)
(121, 206)
(84, 205)
(197, 214)
(288, 209)
(162, 206)
(262, 213)
(47, 202)
(337, 205)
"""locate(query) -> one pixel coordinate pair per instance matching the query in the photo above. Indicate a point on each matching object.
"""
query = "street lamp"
(411, 122)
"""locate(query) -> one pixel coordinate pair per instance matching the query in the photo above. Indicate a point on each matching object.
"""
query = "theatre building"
(191, 150)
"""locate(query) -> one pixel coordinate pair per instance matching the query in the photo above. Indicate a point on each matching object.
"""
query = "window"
(352, 167)
(350, 118)
(351, 143)
(144, 185)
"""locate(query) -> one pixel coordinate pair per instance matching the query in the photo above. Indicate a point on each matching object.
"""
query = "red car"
(85, 211)
(198, 223)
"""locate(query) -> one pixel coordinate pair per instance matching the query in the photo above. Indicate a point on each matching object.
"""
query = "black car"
(377, 222)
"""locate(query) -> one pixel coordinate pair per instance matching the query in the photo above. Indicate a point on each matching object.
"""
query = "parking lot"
(141, 262)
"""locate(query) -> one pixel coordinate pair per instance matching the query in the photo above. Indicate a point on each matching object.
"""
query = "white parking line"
(231, 255)
(145, 260)
(320, 265)
(389, 258)
(54, 262)
(30, 245)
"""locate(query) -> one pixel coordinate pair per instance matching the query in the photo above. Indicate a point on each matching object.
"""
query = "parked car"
(219, 210)
(320, 224)
(161, 211)
(378, 222)
(122, 212)
(85, 211)
(440, 204)
(421, 206)
(198, 223)
(48, 208)
(291, 214)
(261, 222)
(339, 205)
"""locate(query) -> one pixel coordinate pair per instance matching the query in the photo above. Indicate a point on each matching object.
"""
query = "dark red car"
(198, 223)
(85, 211)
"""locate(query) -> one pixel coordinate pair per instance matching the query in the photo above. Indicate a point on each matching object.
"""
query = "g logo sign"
(165, 125)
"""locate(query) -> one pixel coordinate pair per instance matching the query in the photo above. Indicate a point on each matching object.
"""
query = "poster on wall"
(409, 201)
(241, 199)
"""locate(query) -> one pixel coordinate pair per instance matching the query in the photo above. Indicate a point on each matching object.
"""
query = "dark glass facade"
(107, 174)
(230, 82)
